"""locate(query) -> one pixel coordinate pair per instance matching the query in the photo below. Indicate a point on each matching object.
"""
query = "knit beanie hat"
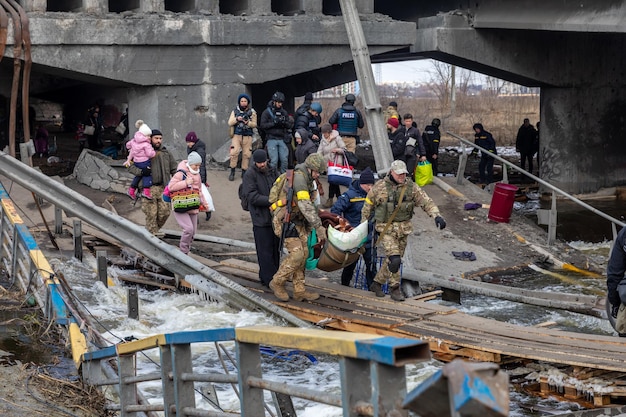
(243, 95)
(259, 156)
(191, 137)
(393, 122)
(156, 132)
(194, 158)
(367, 176)
(145, 130)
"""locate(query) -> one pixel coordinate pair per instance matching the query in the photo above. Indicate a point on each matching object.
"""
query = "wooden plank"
(239, 264)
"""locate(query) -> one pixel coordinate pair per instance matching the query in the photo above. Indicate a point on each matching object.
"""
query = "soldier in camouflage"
(393, 222)
(162, 166)
(304, 218)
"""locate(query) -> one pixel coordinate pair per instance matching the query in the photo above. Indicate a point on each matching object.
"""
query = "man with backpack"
(293, 217)
(254, 194)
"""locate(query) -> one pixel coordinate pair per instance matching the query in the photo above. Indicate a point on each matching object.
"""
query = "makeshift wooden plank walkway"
(448, 330)
(450, 333)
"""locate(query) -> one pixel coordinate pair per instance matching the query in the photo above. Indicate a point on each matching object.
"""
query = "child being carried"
(140, 151)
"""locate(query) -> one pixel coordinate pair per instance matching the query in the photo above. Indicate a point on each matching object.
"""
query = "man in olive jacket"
(256, 186)
(162, 166)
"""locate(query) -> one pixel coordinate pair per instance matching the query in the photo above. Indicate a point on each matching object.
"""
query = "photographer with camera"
(242, 120)
(277, 125)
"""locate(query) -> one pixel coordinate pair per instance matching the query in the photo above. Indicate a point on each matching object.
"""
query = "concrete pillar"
(312, 7)
(365, 6)
(95, 6)
(582, 137)
(177, 110)
(210, 6)
(260, 7)
(35, 5)
(155, 6)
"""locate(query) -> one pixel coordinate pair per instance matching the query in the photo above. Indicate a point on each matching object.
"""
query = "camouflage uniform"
(157, 211)
(304, 216)
(382, 201)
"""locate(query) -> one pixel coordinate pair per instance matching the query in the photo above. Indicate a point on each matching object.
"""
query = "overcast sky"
(406, 71)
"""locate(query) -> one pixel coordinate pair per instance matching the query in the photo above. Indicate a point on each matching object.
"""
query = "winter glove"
(146, 172)
(614, 310)
(440, 222)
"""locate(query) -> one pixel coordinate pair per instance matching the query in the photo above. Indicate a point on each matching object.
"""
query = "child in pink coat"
(140, 152)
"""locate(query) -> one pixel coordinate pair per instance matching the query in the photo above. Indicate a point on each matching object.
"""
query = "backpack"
(243, 198)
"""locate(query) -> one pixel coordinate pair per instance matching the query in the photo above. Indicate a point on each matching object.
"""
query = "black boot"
(208, 216)
(231, 177)
(243, 172)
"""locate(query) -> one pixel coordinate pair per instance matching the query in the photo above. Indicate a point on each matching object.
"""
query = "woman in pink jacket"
(188, 177)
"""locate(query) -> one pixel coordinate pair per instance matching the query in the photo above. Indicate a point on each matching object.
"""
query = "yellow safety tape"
(139, 345)
(11, 212)
(78, 343)
(324, 341)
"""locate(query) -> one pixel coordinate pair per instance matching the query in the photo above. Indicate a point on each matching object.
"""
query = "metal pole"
(363, 67)
(133, 303)
(78, 240)
(58, 220)
(101, 256)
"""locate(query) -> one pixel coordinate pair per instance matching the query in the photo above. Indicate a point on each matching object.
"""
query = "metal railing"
(372, 375)
(551, 215)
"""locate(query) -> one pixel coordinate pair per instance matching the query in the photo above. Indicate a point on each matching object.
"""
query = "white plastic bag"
(207, 197)
(346, 241)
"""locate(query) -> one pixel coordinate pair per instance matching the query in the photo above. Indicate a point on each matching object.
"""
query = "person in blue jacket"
(349, 206)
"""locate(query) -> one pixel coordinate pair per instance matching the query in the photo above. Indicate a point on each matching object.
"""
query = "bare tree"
(440, 81)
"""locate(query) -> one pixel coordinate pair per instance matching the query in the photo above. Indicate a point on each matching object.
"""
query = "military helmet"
(316, 107)
(278, 96)
(316, 162)
(436, 122)
(350, 98)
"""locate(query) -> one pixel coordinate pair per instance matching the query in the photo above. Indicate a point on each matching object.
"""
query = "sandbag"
(332, 259)
(345, 241)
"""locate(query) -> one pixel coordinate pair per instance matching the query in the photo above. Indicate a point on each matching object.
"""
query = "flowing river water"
(166, 312)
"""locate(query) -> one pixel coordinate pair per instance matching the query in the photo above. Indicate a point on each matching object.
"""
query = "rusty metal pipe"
(4, 25)
(28, 63)
(17, 65)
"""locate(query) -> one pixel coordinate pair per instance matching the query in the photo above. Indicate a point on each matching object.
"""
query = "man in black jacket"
(276, 123)
(525, 144)
(257, 183)
(615, 271)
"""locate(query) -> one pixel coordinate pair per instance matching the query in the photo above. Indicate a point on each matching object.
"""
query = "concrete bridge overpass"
(181, 64)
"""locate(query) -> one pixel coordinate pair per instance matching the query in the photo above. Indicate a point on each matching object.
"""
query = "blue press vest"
(347, 123)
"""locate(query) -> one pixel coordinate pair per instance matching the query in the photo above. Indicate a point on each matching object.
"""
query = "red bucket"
(502, 202)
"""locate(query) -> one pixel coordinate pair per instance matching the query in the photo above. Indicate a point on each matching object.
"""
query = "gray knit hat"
(194, 158)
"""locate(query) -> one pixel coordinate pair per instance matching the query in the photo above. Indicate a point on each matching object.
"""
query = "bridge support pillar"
(176, 110)
(35, 5)
(582, 133)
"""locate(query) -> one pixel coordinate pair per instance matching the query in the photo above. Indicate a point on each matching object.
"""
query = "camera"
(245, 117)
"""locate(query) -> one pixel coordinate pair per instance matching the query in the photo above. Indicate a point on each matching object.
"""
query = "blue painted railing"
(373, 381)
